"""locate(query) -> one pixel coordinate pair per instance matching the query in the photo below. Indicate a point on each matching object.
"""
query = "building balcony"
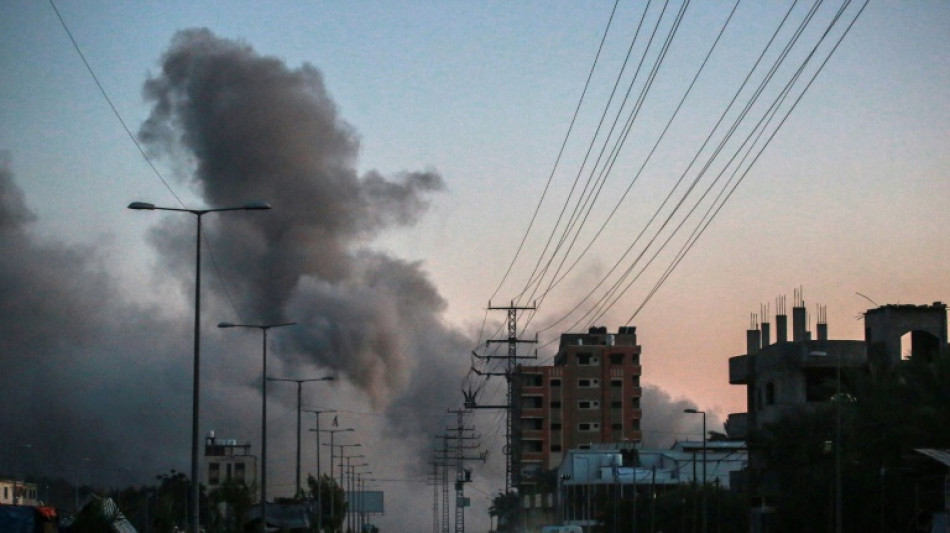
(739, 370)
(532, 433)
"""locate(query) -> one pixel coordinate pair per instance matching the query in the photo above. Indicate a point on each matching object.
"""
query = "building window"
(616, 383)
(555, 426)
(769, 393)
(533, 380)
(617, 427)
(635, 424)
(588, 404)
(239, 472)
(532, 402)
(583, 359)
(588, 383)
(616, 359)
(214, 473)
(555, 447)
(531, 446)
(635, 402)
(532, 424)
(555, 404)
(556, 382)
(616, 404)
(588, 426)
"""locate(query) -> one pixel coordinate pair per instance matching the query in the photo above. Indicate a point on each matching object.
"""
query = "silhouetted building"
(789, 375)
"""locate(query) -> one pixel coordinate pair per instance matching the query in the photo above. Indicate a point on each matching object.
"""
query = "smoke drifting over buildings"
(88, 374)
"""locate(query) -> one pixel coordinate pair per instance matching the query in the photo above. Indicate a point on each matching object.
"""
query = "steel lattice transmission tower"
(512, 442)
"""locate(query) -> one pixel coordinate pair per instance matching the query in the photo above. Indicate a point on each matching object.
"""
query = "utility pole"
(435, 496)
(463, 441)
(512, 441)
(442, 480)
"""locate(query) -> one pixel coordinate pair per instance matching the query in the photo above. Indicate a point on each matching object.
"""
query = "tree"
(504, 508)
(170, 509)
(229, 504)
(332, 500)
(885, 415)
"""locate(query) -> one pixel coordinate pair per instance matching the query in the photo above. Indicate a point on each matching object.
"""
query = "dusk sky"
(404, 147)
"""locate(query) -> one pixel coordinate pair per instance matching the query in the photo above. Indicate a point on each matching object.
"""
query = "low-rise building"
(226, 460)
(588, 477)
(17, 492)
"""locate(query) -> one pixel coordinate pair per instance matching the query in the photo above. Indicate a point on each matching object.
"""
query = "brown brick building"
(590, 395)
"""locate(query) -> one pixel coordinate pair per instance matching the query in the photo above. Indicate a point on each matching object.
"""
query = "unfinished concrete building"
(786, 374)
(790, 374)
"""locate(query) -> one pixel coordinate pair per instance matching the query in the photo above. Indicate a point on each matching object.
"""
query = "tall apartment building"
(590, 395)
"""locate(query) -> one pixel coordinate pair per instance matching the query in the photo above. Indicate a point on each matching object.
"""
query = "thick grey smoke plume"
(255, 129)
(664, 421)
(87, 375)
(74, 384)
(248, 127)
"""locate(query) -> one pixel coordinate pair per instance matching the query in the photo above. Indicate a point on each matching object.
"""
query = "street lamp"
(351, 478)
(361, 494)
(316, 414)
(333, 432)
(837, 436)
(193, 513)
(300, 383)
(342, 475)
(263, 328)
(696, 411)
(342, 457)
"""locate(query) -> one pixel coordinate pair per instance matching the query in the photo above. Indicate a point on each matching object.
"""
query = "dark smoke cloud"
(87, 374)
(255, 129)
(75, 381)
(251, 128)
(664, 421)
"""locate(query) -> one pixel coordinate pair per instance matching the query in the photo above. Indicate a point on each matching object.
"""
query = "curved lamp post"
(300, 383)
(263, 328)
(193, 513)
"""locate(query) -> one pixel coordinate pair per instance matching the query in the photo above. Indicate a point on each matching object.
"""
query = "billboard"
(365, 501)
